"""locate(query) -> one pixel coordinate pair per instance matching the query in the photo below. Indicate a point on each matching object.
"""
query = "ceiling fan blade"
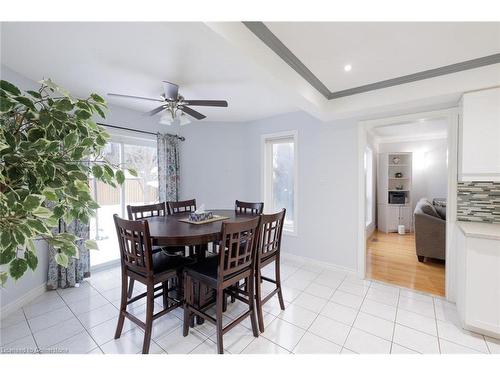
(207, 103)
(156, 110)
(171, 90)
(135, 97)
(191, 112)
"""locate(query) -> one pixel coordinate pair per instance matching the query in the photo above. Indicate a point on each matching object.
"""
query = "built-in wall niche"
(394, 187)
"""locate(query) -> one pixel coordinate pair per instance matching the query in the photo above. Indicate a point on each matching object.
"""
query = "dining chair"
(139, 263)
(148, 210)
(181, 206)
(143, 212)
(235, 262)
(249, 207)
(268, 251)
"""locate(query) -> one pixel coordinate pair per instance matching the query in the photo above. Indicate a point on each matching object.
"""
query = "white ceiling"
(379, 51)
(226, 61)
(422, 129)
(133, 58)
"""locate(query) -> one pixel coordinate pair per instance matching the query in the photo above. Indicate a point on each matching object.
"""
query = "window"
(139, 154)
(280, 176)
(368, 186)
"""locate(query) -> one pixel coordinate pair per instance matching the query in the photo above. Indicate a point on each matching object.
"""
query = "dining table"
(171, 231)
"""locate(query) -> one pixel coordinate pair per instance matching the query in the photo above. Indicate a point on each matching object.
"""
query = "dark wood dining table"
(169, 231)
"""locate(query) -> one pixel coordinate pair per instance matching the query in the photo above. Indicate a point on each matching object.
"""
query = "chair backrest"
(149, 210)
(271, 231)
(181, 206)
(135, 245)
(237, 247)
(249, 207)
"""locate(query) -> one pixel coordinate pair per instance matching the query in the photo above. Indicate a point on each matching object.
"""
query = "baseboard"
(315, 262)
(23, 300)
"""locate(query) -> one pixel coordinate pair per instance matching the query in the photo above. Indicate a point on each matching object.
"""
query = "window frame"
(122, 137)
(266, 141)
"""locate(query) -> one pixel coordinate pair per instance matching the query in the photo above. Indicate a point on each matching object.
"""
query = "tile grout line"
(395, 320)
(318, 314)
(79, 321)
(437, 329)
(354, 321)
(38, 350)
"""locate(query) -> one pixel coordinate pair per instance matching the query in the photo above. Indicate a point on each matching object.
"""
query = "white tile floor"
(327, 311)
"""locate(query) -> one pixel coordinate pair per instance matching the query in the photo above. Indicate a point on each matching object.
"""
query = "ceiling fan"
(173, 103)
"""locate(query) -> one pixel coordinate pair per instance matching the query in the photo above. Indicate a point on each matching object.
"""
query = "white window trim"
(272, 137)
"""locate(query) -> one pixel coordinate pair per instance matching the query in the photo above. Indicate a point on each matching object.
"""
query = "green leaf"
(82, 115)
(34, 94)
(33, 201)
(17, 268)
(6, 105)
(62, 259)
(91, 245)
(132, 171)
(98, 98)
(26, 102)
(109, 171)
(7, 255)
(38, 226)
(64, 105)
(42, 212)
(70, 249)
(120, 176)
(5, 239)
(70, 140)
(3, 278)
(97, 171)
(81, 186)
(9, 87)
(50, 194)
(19, 237)
(31, 260)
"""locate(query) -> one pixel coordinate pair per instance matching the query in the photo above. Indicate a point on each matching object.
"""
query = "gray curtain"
(78, 269)
(168, 167)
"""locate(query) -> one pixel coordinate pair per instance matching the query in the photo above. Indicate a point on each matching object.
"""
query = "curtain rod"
(179, 137)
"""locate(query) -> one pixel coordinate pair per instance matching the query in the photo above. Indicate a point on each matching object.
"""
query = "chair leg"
(123, 307)
(224, 303)
(278, 283)
(258, 300)
(219, 301)
(130, 288)
(236, 286)
(188, 289)
(165, 287)
(251, 305)
(149, 318)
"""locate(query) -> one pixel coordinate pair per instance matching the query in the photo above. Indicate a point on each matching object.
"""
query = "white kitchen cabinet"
(479, 136)
(478, 277)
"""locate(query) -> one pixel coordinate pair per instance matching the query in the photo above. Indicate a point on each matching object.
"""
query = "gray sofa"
(430, 230)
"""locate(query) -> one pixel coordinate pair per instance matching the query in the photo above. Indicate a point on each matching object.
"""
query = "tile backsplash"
(479, 201)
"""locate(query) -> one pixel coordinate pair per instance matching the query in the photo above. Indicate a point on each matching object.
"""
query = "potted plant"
(49, 144)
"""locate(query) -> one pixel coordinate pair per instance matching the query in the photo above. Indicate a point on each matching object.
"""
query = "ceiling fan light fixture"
(184, 120)
(166, 119)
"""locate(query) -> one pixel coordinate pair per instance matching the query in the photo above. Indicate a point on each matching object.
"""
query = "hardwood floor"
(391, 258)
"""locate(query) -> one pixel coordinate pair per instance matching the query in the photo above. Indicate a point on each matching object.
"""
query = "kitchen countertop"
(480, 230)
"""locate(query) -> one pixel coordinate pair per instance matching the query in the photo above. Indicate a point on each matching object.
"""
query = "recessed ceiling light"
(348, 68)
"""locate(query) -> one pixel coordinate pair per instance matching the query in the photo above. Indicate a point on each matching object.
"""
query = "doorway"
(413, 168)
